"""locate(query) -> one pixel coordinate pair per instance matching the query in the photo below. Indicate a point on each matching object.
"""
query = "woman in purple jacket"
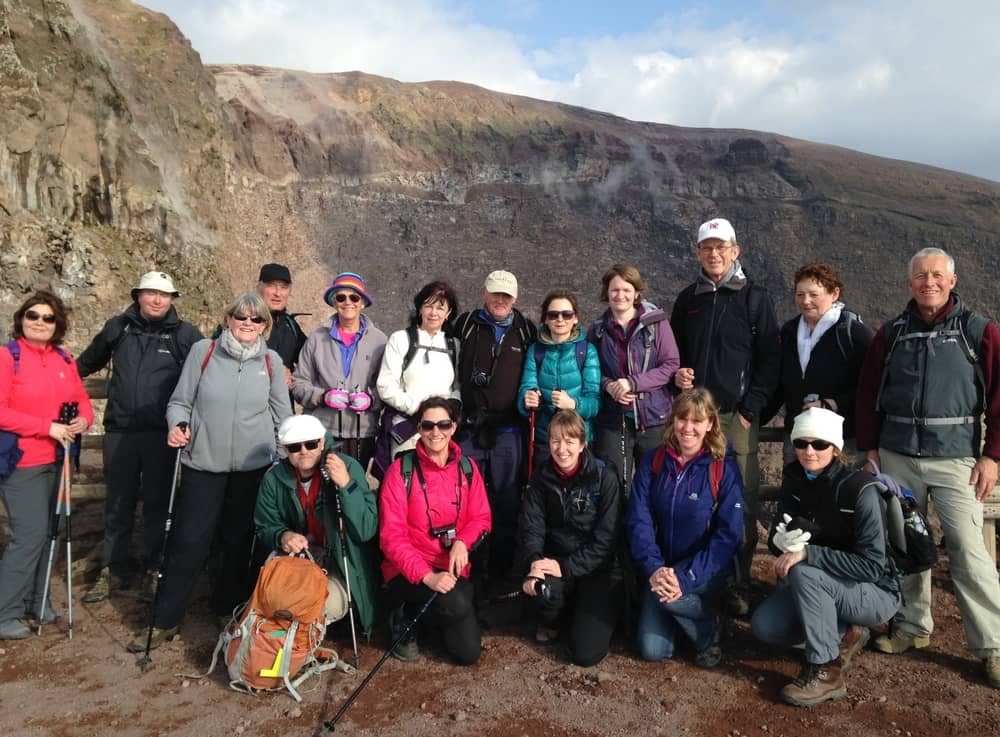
(638, 360)
(684, 524)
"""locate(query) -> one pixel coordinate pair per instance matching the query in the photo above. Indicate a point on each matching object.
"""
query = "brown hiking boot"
(106, 583)
(138, 645)
(900, 641)
(816, 684)
(852, 643)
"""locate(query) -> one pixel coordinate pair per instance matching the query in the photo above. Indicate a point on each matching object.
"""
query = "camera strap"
(427, 501)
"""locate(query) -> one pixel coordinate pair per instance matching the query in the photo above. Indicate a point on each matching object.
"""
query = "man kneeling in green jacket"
(303, 506)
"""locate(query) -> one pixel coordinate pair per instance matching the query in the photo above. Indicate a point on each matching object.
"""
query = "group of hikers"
(614, 466)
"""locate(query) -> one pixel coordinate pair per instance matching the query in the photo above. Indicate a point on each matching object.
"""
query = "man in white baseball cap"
(147, 345)
(300, 505)
(728, 337)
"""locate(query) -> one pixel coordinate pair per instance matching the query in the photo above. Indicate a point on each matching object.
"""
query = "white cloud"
(916, 81)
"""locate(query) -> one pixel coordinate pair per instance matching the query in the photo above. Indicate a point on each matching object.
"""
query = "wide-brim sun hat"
(157, 281)
(348, 280)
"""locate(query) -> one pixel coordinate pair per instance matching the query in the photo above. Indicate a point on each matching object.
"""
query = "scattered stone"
(294, 712)
(673, 679)
(572, 692)
(240, 729)
(423, 705)
(641, 691)
(603, 676)
(185, 683)
(763, 728)
(882, 699)
(459, 716)
(541, 676)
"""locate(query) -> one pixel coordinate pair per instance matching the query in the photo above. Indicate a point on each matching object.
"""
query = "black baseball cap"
(274, 272)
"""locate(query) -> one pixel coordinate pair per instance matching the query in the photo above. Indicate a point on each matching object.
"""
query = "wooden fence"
(97, 389)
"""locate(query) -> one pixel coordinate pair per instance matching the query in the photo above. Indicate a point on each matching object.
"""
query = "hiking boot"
(709, 657)
(816, 684)
(737, 604)
(138, 645)
(407, 648)
(14, 629)
(544, 633)
(900, 641)
(103, 586)
(992, 665)
(147, 590)
(853, 641)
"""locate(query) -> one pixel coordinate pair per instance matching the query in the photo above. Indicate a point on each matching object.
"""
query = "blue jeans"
(693, 614)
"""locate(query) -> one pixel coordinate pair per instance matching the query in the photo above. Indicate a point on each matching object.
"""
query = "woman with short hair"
(223, 416)
(37, 377)
(432, 511)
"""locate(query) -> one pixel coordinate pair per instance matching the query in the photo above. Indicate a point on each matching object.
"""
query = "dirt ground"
(89, 685)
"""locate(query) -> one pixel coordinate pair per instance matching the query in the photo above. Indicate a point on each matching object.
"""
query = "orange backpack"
(273, 641)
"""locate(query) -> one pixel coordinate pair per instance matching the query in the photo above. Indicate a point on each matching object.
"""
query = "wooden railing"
(97, 389)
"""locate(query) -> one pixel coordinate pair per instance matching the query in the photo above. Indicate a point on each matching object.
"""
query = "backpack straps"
(408, 461)
(451, 348)
(843, 332)
(579, 350)
(15, 352)
(716, 471)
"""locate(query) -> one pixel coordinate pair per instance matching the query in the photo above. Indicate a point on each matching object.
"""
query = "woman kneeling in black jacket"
(568, 533)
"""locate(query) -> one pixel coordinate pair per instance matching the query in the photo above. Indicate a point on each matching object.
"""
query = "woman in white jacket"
(419, 362)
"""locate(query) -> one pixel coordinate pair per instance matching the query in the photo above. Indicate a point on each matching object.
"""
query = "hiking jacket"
(829, 373)
(429, 374)
(930, 376)
(496, 403)
(673, 520)
(577, 525)
(848, 543)
(652, 359)
(233, 408)
(736, 360)
(286, 337)
(406, 516)
(279, 510)
(560, 370)
(30, 399)
(321, 367)
(146, 358)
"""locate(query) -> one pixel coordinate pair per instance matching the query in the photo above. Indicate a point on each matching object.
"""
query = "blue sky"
(911, 80)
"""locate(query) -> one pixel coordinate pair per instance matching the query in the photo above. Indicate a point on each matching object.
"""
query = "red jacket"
(404, 527)
(30, 399)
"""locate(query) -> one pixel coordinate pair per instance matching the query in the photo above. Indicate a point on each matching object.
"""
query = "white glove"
(789, 541)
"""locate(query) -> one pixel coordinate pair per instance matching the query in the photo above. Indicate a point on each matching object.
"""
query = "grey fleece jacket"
(233, 408)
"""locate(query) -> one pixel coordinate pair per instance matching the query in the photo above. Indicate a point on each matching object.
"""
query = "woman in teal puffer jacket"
(561, 371)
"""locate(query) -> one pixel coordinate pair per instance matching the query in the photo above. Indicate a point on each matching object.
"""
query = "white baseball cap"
(158, 281)
(297, 428)
(501, 281)
(717, 228)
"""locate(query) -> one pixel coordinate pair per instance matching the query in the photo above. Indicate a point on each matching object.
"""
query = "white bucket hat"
(298, 428)
(157, 280)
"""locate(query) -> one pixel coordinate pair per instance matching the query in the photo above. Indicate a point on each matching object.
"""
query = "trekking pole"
(331, 724)
(531, 443)
(145, 660)
(67, 413)
(624, 458)
(347, 577)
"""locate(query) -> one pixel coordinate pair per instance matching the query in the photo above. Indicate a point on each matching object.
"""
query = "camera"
(445, 534)
(480, 379)
(544, 590)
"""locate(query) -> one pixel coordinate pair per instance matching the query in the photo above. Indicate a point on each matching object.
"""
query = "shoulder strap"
(466, 465)
(754, 307)
(406, 469)
(845, 340)
(658, 458)
(581, 354)
(290, 320)
(715, 474)
(121, 336)
(267, 362)
(465, 328)
(63, 354)
(539, 351)
(411, 349)
(208, 355)
(15, 352)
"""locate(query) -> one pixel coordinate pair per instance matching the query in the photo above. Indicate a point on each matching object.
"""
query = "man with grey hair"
(927, 381)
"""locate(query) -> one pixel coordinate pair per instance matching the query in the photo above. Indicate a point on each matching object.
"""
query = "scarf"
(238, 350)
(807, 342)
(734, 279)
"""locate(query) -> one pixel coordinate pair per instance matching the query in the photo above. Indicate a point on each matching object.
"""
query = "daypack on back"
(273, 641)
(911, 544)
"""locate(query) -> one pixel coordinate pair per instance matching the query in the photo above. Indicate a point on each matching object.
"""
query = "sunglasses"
(802, 444)
(344, 296)
(255, 319)
(556, 314)
(296, 447)
(428, 425)
(34, 316)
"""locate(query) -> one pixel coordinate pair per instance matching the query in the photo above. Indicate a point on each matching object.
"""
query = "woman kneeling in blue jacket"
(684, 524)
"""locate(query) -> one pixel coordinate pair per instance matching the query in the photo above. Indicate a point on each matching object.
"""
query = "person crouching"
(835, 578)
(297, 511)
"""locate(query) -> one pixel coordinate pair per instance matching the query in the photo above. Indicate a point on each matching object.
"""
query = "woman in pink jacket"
(432, 510)
(36, 378)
